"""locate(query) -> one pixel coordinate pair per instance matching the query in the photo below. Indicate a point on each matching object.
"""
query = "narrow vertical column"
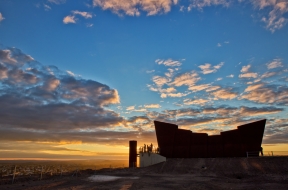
(132, 154)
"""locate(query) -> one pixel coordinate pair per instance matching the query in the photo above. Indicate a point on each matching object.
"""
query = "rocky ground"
(198, 173)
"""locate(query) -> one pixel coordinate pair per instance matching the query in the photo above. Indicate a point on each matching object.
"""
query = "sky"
(79, 79)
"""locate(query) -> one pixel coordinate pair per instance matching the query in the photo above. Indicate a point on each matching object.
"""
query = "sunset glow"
(81, 79)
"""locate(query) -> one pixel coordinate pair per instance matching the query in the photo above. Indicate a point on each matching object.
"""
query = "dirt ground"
(198, 173)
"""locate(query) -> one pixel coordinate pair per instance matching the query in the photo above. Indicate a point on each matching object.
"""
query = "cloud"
(230, 76)
(268, 74)
(83, 14)
(275, 20)
(160, 81)
(149, 106)
(57, 1)
(253, 87)
(220, 111)
(218, 79)
(140, 110)
(134, 7)
(224, 94)
(245, 69)
(248, 75)
(173, 95)
(219, 45)
(195, 101)
(266, 94)
(5, 56)
(1, 17)
(70, 73)
(129, 108)
(200, 4)
(47, 7)
(199, 87)
(274, 64)
(69, 19)
(168, 62)
(14, 57)
(254, 111)
(43, 103)
(167, 90)
(188, 79)
(207, 68)
(212, 88)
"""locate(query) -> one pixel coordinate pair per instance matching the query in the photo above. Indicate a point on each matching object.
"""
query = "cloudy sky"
(79, 79)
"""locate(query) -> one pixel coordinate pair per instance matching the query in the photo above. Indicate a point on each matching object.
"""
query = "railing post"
(14, 173)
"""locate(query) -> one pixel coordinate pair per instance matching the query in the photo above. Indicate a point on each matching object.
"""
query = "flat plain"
(192, 173)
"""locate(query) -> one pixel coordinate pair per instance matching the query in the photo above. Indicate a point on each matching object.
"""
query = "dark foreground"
(198, 173)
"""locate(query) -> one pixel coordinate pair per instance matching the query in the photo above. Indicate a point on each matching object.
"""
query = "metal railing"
(266, 153)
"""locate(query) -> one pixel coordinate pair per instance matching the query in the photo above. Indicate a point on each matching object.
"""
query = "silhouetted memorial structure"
(132, 154)
(180, 143)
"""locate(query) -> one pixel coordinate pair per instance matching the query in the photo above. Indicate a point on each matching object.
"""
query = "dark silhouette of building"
(180, 143)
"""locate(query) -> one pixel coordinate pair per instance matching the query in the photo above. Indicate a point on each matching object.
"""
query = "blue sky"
(84, 77)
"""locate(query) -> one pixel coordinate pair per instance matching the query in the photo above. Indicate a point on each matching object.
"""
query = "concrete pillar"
(132, 154)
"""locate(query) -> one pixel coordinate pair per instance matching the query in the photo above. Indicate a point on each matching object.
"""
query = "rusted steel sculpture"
(180, 143)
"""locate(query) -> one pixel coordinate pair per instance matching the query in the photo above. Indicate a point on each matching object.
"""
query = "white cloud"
(72, 19)
(83, 14)
(1, 17)
(169, 62)
(253, 87)
(230, 76)
(196, 101)
(140, 110)
(224, 94)
(70, 73)
(69, 19)
(207, 68)
(245, 69)
(129, 108)
(275, 19)
(212, 88)
(248, 75)
(269, 74)
(6, 56)
(160, 81)
(219, 65)
(174, 95)
(267, 94)
(218, 79)
(199, 87)
(274, 64)
(57, 1)
(47, 7)
(133, 7)
(150, 106)
(219, 45)
(189, 79)
(168, 90)
(199, 4)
